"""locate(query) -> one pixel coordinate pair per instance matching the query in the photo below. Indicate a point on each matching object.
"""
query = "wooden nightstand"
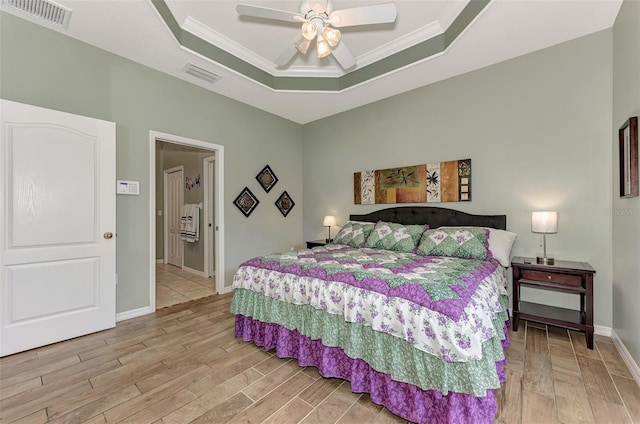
(563, 276)
(315, 243)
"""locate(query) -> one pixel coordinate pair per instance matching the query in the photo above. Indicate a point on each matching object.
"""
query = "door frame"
(165, 206)
(208, 243)
(155, 136)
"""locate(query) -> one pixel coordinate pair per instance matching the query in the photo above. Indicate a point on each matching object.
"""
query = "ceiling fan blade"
(267, 13)
(367, 15)
(290, 51)
(318, 6)
(344, 57)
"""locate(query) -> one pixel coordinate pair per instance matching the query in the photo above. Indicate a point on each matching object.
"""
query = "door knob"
(108, 235)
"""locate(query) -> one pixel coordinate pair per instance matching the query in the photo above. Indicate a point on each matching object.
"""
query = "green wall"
(538, 131)
(626, 212)
(48, 69)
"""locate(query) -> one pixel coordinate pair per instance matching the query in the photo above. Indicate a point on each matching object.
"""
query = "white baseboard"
(159, 261)
(626, 356)
(227, 289)
(194, 271)
(602, 330)
(133, 313)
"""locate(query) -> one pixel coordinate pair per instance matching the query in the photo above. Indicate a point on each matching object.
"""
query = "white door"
(57, 226)
(174, 194)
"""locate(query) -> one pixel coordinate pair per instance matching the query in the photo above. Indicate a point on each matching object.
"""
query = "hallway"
(174, 286)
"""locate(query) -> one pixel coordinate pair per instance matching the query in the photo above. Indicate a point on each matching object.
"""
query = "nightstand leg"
(589, 311)
(589, 336)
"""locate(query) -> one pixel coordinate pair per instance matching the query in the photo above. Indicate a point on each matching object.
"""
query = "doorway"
(196, 168)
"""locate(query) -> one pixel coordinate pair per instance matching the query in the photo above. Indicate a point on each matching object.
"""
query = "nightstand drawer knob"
(549, 277)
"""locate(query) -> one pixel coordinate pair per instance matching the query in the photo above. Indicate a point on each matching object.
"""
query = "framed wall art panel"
(267, 178)
(285, 203)
(628, 147)
(427, 183)
(246, 202)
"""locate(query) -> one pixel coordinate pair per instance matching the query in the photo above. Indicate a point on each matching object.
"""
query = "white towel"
(190, 223)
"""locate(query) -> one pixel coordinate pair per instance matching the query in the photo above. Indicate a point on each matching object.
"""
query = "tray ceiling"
(430, 41)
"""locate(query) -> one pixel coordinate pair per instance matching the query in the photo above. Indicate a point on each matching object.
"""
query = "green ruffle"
(383, 352)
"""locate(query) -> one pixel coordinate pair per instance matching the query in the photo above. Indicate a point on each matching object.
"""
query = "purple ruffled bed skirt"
(403, 399)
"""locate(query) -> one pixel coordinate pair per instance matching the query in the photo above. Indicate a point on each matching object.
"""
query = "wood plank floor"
(183, 365)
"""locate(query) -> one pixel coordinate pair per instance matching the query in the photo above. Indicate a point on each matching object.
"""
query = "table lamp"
(545, 222)
(329, 220)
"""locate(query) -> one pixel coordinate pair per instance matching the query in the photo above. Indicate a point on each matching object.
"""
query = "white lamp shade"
(329, 221)
(544, 222)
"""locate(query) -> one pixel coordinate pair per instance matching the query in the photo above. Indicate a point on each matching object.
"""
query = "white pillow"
(500, 244)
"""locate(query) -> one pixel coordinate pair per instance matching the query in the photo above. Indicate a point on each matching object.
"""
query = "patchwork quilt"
(430, 321)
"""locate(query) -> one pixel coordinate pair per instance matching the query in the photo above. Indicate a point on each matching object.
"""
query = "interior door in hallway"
(174, 199)
(57, 226)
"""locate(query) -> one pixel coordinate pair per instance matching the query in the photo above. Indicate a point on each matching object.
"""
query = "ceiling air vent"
(43, 10)
(198, 72)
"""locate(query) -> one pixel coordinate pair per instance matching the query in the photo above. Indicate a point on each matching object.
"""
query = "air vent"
(43, 10)
(200, 73)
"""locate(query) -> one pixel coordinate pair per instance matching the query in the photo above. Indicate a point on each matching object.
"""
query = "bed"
(408, 304)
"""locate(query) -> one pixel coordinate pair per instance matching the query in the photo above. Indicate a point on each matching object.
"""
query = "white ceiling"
(503, 29)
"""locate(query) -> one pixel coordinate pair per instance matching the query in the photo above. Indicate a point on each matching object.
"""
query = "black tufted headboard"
(434, 216)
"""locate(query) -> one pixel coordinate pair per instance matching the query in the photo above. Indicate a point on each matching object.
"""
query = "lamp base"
(328, 240)
(548, 260)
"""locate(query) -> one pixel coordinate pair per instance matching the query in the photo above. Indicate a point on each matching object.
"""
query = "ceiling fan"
(319, 20)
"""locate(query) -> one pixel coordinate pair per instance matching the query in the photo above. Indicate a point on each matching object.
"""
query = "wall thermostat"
(128, 187)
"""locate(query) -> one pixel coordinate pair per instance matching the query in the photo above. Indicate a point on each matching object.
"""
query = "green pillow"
(397, 237)
(353, 234)
(457, 242)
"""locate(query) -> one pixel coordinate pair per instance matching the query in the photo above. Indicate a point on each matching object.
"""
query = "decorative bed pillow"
(457, 242)
(354, 234)
(398, 237)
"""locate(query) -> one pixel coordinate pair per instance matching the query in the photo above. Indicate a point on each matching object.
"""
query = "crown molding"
(421, 34)
(212, 36)
(178, 10)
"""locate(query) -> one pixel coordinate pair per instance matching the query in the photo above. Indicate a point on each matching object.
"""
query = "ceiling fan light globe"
(309, 30)
(331, 35)
(323, 49)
